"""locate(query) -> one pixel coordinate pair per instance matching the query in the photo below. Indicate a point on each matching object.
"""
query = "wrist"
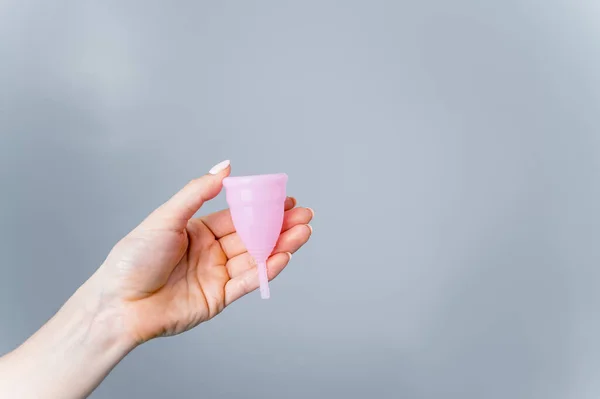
(102, 316)
(71, 354)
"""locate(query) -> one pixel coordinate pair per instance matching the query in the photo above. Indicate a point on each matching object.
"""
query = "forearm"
(71, 354)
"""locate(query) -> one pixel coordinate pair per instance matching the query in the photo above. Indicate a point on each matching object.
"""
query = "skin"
(168, 275)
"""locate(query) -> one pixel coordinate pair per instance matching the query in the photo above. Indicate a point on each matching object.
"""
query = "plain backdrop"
(450, 150)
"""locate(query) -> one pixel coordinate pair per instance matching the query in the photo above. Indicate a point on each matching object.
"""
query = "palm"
(173, 279)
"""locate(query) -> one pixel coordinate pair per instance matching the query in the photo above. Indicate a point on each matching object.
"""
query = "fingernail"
(290, 256)
(294, 202)
(221, 166)
(311, 212)
(310, 228)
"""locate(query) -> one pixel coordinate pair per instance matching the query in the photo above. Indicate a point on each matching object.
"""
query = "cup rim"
(232, 181)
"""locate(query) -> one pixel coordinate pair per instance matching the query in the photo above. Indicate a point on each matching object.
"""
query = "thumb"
(177, 211)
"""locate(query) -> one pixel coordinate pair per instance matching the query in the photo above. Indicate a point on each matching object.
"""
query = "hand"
(173, 271)
(169, 274)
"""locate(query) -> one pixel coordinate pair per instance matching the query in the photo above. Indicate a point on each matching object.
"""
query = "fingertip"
(279, 258)
(223, 166)
(277, 263)
(290, 202)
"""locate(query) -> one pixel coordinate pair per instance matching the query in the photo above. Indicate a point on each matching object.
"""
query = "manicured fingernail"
(290, 256)
(312, 213)
(310, 228)
(221, 166)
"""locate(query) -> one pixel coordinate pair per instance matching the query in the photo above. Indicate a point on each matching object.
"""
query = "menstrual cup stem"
(264, 280)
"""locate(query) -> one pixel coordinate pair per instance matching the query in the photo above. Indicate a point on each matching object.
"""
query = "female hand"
(169, 274)
(173, 271)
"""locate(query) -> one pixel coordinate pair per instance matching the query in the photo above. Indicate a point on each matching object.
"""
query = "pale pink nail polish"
(221, 166)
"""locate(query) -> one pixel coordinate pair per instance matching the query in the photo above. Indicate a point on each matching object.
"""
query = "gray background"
(450, 150)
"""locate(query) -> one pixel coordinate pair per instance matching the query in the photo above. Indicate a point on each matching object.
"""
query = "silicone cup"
(257, 207)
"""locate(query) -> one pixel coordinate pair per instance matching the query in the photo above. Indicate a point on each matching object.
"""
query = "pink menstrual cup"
(256, 204)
